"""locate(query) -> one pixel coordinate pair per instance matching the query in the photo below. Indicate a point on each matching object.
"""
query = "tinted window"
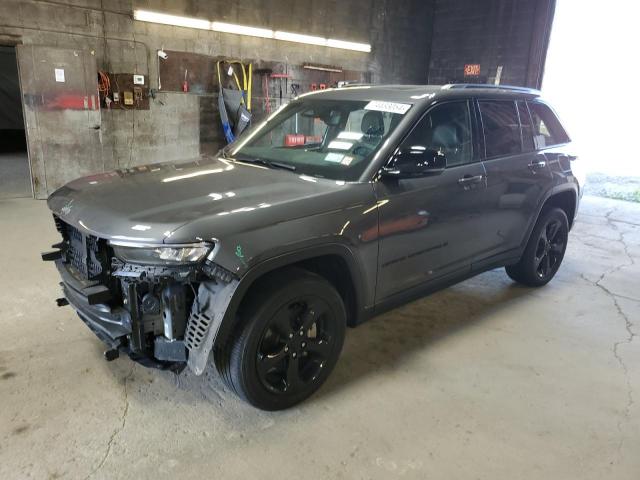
(501, 128)
(527, 127)
(547, 130)
(447, 129)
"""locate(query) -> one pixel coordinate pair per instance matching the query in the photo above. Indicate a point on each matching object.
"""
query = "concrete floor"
(486, 380)
(15, 177)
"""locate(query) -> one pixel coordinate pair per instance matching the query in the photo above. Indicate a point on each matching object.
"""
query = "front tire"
(545, 250)
(291, 332)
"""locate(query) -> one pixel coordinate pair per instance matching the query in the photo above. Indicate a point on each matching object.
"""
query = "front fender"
(360, 282)
(214, 312)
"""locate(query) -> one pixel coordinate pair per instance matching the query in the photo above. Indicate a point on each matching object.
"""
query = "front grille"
(86, 253)
(60, 225)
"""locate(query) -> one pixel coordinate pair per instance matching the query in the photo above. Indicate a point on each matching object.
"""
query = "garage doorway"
(589, 78)
(15, 174)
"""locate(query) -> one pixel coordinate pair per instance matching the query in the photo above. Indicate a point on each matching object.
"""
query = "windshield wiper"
(266, 163)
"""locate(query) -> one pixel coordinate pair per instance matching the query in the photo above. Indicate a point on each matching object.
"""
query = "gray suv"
(338, 206)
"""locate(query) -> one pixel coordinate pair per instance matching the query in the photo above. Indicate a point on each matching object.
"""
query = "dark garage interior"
(14, 162)
(487, 378)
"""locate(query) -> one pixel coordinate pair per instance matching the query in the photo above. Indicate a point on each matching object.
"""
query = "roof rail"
(490, 87)
(347, 84)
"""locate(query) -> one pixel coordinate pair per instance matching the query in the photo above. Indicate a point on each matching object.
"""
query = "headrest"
(445, 136)
(372, 123)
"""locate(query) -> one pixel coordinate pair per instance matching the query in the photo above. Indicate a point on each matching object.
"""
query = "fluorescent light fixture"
(155, 17)
(322, 68)
(360, 47)
(178, 21)
(241, 30)
(299, 38)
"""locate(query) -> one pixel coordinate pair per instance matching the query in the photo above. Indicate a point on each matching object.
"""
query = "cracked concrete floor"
(485, 380)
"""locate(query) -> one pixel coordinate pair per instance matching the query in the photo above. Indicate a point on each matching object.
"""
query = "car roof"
(416, 94)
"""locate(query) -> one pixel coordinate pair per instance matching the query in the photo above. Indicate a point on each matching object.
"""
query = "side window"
(447, 129)
(547, 130)
(501, 127)
(527, 126)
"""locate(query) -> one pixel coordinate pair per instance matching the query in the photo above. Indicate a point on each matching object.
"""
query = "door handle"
(538, 164)
(469, 179)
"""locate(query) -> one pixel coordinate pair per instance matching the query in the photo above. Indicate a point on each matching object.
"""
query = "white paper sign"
(391, 107)
(334, 157)
(60, 75)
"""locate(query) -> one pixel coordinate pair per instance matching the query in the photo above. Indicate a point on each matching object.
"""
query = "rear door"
(517, 175)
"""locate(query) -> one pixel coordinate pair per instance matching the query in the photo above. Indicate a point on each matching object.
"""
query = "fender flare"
(273, 263)
(565, 187)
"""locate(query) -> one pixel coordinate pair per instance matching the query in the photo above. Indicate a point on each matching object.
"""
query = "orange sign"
(472, 70)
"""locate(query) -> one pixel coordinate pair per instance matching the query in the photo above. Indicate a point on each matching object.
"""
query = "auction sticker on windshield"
(391, 107)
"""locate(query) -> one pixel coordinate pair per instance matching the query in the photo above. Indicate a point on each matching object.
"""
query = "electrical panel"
(123, 91)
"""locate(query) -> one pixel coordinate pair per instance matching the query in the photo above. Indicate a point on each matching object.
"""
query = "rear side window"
(527, 126)
(547, 130)
(501, 127)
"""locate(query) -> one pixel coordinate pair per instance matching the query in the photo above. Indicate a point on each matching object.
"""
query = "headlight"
(163, 255)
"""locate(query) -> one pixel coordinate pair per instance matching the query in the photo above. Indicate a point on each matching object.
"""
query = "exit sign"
(472, 70)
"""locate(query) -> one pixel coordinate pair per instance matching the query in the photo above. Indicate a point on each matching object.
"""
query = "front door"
(62, 115)
(431, 226)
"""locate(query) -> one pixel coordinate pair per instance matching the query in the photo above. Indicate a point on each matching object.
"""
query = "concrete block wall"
(399, 33)
(413, 41)
(510, 33)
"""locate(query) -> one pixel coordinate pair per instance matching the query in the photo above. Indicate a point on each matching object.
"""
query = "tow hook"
(111, 355)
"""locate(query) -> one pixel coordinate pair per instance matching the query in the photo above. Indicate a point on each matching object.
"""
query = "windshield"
(334, 139)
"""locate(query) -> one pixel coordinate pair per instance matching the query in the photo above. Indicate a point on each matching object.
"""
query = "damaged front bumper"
(161, 316)
(110, 324)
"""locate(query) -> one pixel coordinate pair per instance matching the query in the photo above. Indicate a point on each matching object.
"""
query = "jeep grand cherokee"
(339, 205)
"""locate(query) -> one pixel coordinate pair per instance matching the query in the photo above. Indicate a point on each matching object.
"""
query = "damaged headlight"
(161, 255)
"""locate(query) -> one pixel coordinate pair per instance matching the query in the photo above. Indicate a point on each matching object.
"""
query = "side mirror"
(415, 162)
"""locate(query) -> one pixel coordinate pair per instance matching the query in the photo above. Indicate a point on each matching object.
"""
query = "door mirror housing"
(415, 162)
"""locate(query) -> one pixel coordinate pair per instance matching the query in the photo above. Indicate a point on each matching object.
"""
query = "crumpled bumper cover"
(111, 325)
(121, 326)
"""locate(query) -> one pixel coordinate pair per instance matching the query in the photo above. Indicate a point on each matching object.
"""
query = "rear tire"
(545, 250)
(290, 334)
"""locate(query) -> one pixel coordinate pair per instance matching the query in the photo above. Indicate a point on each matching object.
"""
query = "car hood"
(156, 203)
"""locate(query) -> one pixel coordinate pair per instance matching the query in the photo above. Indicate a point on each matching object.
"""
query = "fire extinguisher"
(185, 83)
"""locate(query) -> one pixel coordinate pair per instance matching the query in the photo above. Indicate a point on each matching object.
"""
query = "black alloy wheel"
(550, 248)
(544, 251)
(289, 337)
(296, 345)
